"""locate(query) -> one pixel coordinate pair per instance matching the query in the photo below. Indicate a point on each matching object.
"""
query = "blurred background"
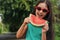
(13, 12)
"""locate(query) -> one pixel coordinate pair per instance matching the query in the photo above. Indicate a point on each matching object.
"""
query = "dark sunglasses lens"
(39, 8)
(44, 10)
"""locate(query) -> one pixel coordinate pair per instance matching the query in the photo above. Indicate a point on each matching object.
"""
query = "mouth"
(40, 15)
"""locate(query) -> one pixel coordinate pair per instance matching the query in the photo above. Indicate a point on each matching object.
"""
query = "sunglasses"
(44, 10)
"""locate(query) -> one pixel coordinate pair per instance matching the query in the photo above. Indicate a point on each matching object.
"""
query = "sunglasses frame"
(42, 9)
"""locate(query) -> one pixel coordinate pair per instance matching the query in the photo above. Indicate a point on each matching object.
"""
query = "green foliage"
(0, 28)
(3, 28)
(56, 13)
(14, 12)
(57, 31)
(58, 4)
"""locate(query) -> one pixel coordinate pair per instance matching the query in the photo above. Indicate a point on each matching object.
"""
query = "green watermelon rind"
(36, 24)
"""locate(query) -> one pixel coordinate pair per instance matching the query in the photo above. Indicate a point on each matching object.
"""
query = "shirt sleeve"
(46, 27)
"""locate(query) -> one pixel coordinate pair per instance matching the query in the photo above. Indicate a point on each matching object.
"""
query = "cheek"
(37, 11)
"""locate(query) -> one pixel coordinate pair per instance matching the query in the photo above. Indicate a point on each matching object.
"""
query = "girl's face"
(41, 10)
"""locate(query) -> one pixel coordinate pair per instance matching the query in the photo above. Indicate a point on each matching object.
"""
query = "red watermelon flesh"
(36, 21)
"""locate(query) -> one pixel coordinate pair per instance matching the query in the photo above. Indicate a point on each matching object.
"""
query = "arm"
(22, 29)
(45, 28)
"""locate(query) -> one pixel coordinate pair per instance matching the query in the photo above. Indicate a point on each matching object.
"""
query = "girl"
(42, 10)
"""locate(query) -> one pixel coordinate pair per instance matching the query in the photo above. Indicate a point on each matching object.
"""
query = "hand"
(26, 20)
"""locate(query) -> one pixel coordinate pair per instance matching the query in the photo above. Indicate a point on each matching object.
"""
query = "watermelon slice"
(36, 21)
